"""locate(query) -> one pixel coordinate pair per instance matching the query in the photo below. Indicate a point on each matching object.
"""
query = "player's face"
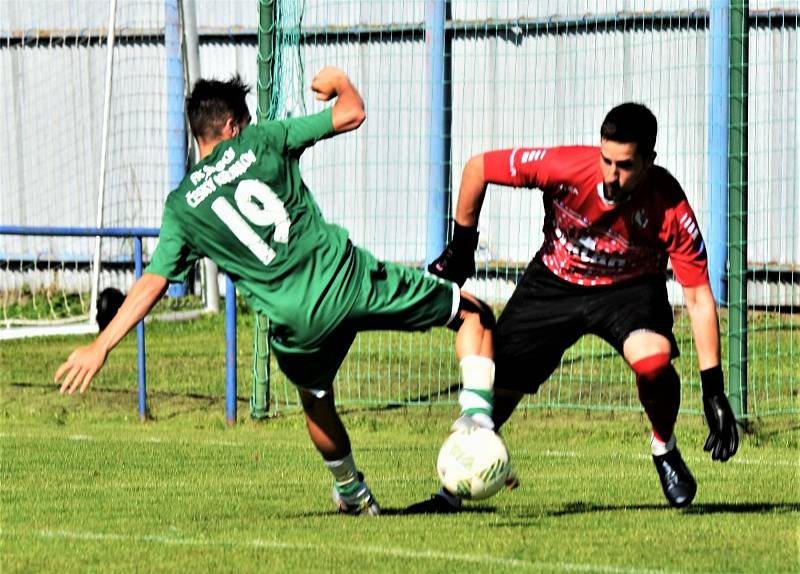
(622, 166)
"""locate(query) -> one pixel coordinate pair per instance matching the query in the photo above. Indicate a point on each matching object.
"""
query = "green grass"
(85, 487)
(88, 492)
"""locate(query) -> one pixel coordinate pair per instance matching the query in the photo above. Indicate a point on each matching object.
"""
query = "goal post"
(111, 38)
(88, 100)
(93, 145)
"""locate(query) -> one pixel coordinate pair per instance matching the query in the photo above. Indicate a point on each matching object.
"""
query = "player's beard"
(613, 192)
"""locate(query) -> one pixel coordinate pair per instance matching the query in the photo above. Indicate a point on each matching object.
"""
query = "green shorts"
(385, 296)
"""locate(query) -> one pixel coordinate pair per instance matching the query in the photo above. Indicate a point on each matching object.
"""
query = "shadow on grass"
(701, 508)
(399, 512)
(570, 508)
(573, 508)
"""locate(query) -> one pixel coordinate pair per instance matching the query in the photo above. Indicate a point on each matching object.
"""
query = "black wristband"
(712, 381)
(465, 236)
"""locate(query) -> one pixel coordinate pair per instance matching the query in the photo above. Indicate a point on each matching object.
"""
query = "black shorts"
(546, 315)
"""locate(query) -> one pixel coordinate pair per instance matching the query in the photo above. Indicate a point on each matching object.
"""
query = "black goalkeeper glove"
(723, 438)
(457, 262)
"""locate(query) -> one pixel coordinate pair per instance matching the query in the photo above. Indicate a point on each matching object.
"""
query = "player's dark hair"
(212, 102)
(631, 123)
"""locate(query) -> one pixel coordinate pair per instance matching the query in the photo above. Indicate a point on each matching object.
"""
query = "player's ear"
(231, 128)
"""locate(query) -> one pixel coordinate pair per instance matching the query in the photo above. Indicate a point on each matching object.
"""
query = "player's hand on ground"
(80, 368)
(723, 437)
(326, 84)
(457, 262)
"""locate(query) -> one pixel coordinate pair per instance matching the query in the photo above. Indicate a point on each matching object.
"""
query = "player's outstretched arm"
(457, 262)
(723, 437)
(348, 111)
(84, 362)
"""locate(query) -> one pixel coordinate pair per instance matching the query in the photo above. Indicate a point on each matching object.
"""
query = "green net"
(544, 74)
(280, 62)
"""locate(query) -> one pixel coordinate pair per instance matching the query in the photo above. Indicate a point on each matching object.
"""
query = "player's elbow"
(699, 299)
(359, 115)
(475, 161)
(349, 119)
(474, 167)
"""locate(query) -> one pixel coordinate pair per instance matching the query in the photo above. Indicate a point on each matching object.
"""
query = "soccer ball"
(473, 463)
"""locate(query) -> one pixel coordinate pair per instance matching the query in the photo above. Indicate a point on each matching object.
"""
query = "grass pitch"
(85, 487)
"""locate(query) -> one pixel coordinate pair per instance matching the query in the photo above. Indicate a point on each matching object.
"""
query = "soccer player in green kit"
(245, 206)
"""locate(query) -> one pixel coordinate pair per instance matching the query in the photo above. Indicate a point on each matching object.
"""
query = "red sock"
(659, 392)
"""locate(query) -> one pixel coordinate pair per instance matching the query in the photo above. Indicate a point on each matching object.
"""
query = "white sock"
(476, 397)
(344, 471)
(659, 447)
(477, 372)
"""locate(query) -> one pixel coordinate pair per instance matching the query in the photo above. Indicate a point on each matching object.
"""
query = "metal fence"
(442, 81)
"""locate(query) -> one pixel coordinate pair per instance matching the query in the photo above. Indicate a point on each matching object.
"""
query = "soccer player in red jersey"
(612, 221)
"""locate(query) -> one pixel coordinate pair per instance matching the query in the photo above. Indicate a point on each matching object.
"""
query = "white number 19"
(262, 207)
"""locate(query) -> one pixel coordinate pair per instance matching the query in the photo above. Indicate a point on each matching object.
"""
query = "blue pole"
(230, 351)
(438, 129)
(140, 358)
(80, 231)
(176, 127)
(718, 134)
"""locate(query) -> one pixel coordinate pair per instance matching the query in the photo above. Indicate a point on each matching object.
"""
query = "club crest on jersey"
(564, 189)
(640, 219)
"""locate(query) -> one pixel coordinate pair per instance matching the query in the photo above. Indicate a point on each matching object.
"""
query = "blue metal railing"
(137, 233)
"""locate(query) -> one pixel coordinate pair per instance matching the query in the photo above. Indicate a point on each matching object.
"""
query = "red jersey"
(589, 240)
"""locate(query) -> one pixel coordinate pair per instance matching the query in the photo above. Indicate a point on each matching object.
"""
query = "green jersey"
(246, 207)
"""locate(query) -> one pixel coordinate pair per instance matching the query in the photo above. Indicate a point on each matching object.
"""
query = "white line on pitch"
(374, 550)
(561, 453)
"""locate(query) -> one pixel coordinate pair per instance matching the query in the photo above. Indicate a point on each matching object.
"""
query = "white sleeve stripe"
(511, 159)
(692, 228)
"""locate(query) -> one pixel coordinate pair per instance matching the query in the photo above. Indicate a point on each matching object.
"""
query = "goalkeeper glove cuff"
(465, 236)
(712, 381)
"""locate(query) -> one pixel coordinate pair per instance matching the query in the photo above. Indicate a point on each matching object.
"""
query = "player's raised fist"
(328, 83)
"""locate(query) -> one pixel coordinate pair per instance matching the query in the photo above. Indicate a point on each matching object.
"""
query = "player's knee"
(481, 309)
(653, 367)
(315, 400)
